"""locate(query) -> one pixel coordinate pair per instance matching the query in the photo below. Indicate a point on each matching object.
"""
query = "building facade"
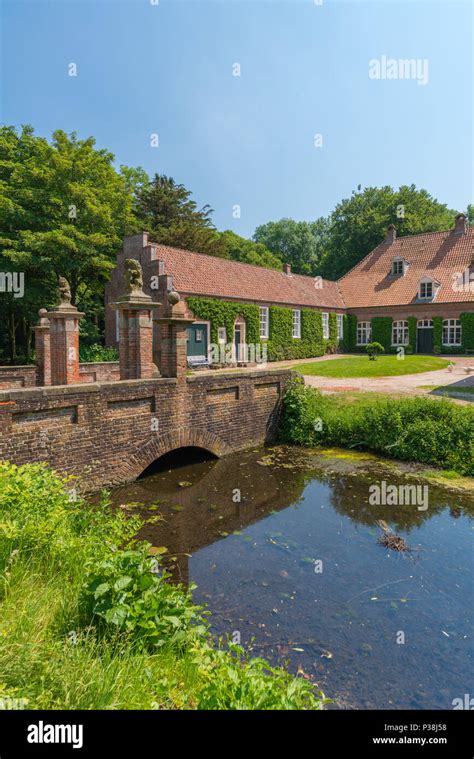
(414, 293)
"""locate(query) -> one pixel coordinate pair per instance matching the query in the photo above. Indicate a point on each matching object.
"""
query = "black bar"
(323, 734)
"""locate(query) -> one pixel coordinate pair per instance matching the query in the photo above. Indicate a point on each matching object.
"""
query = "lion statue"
(64, 291)
(133, 276)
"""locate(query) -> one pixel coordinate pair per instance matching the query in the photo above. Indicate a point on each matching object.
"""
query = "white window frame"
(221, 335)
(325, 318)
(400, 333)
(364, 333)
(264, 322)
(451, 330)
(395, 265)
(340, 326)
(425, 283)
(296, 332)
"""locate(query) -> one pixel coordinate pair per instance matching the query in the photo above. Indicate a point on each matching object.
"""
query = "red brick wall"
(420, 310)
(25, 376)
(103, 432)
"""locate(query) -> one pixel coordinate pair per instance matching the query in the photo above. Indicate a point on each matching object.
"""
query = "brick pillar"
(65, 345)
(136, 339)
(43, 349)
(173, 342)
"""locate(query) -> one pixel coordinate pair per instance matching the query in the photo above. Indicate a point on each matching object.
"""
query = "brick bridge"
(108, 431)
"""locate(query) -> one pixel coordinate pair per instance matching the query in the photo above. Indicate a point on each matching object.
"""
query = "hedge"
(436, 432)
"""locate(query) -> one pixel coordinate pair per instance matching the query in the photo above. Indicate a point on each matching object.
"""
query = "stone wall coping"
(239, 375)
(25, 393)
(17, 367)
(100, 363)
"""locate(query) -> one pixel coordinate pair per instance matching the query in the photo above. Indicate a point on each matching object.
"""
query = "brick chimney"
(391, 234)
(460, 224)
(287, 269)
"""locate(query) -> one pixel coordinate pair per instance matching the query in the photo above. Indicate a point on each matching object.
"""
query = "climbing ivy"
(332, 343)
(281, 343)
(467, 331)
(222, 313)
(382, 331)
(437, 334)
(412, 327)
(350, 333)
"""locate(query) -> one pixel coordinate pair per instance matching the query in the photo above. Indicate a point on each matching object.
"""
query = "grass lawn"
(384, 366)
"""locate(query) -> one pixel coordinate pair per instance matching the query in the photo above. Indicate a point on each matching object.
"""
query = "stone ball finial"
(173, 297)
(42, 313)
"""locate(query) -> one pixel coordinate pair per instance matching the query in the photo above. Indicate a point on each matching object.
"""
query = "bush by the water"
(425, 430)
(89, 619)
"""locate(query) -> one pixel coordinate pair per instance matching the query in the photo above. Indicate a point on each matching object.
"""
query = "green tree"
(166, 210)
(359, 223)
(64, 210)
(299, 243)
(247, 251)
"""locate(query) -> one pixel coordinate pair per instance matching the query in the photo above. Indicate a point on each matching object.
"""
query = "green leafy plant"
(374, 349)
(129, 593)
(91, 621)
(96, 353)
(430, 431)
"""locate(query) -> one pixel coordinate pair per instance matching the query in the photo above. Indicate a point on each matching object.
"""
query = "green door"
(197, 340)
(425, 340)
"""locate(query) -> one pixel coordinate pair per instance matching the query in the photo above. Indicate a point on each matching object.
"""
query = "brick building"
(415, 292)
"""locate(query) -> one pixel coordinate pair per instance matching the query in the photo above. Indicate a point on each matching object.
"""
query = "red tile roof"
(436, 255)
(199, 274)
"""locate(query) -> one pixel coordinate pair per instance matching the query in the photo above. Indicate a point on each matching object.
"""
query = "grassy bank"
(430, 431)
(90, 621)
(384, 366)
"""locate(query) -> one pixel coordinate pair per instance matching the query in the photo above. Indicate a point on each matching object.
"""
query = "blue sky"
(167, 69)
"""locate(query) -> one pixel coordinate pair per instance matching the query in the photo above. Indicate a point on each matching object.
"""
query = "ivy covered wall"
(467, 334)
(382, 331)
(281, 344)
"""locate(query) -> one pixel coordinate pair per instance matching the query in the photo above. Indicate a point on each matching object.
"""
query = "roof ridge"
(239, 263)
(401, 239)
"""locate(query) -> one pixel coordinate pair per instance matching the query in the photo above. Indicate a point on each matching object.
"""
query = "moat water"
(283, 547)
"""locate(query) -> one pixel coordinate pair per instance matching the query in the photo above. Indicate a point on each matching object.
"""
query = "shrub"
(420, 429)
(373, 350)
(232, 680)
(129, 593)
(92, 354)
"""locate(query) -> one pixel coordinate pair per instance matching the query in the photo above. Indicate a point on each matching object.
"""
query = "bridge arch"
(141, 459)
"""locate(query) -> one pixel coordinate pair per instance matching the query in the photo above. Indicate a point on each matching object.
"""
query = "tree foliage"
(166, 210)
(64, 210)
(359, 223)
(299, 243)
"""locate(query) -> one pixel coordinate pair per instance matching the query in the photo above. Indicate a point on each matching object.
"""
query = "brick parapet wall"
(104, 433)
(12, 377)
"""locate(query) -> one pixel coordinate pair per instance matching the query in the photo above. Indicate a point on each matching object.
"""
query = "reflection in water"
(254, 529)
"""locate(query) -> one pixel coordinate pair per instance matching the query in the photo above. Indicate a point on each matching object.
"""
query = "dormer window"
(427, 289)
(398, 267)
